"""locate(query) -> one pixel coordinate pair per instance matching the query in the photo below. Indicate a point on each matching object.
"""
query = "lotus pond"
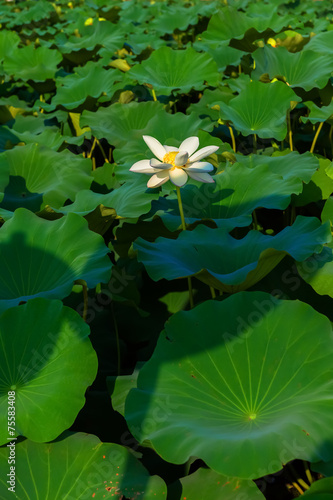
(166, 278)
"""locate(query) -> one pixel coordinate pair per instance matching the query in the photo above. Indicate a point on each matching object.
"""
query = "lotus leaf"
(218, 487)
(323, 114)
(249, 390)
(48, 360)
(33, 176)
(177, 71)
(28, 63)
(44, 258)
(221, 261)
(90, 81)
(305, 69)
(260, 109)
(79, 466)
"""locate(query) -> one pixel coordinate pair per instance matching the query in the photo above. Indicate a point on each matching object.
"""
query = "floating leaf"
(322, 43)
(230, 23)
(28, 63)
(230, 265)
(90, 81)
(249, 390)
(306, 69)
(218, 487)
(260, 109)
(289, 166)
(33, 176)
(79, 466)
(48, 360)
(323, 114)
(43, 258)
(170, 70)
(121, 123)
(237, 191)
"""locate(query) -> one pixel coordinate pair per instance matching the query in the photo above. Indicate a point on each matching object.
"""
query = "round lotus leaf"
(260, 109)
(30, 63)
(322, 43)
(231, 200)
(229, 23)
(77, 467)
(33, 176)
(206, 484)
(323, 114)
(91, 81)
(292, 165)
(305, 69)
(121, 123)
(244, 384)
(42, 258)
(228, 264)
(101, 34)
(170, 70)
(130, 200)
(48, 360)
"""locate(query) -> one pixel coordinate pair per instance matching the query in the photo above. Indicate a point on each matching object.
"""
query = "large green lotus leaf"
(320, 186)
(78, 466)
(28, 63)
(322, 43)
(291, 165)
(139, 42)
(175, 16)
(130, 200)
(320, 490)
(306, 69)
(229, 23)
(101, 34)
(230, 265)
(318, 271)
(230, 201)
(206, 484)
(323, 114)
(29, 13)
(170, 70)
(224, 55)
(121, 123)
(43, 258)
(90, 81)
(260, 109)
(9, 40)
(245, 392)
(33, 176)
(207, 104)
(48, 360)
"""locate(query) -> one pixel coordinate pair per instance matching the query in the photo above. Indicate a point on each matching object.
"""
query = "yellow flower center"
(170, 158)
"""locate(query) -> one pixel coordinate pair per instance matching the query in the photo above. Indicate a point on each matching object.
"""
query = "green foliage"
(95, 264)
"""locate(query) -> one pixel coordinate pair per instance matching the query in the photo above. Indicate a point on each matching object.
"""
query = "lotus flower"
(176, 164)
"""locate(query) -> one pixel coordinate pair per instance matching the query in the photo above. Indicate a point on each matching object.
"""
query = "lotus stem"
(89, 155)
(307, 472)
(84, 285)
(154, 94)
(212, 291)
(255, 143)
(102, 151)
(316, 137)
(181, 211)
(295, 485)
(290, 134)
(232, 138)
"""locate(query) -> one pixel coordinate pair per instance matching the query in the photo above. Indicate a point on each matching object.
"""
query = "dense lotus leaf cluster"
(170, 339)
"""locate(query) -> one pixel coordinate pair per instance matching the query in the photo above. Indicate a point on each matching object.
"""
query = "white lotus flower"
(175, 164)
